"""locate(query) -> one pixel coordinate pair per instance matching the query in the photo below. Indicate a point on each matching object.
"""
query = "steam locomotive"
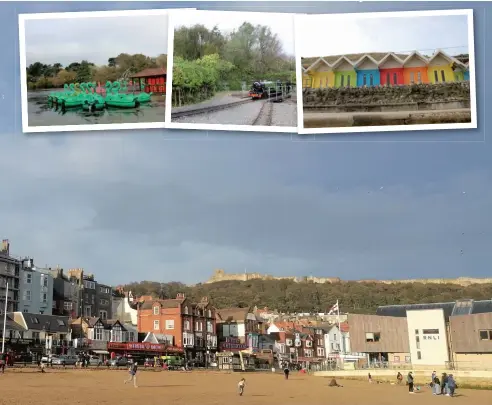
(261, 90)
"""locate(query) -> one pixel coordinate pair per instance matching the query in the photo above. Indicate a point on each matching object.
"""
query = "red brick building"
(190, 326)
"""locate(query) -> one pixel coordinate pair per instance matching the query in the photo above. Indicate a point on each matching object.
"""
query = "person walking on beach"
(133, 374)
(410, 383)
(286, 372)
(240, 386)
(451, 385)
(436, 389)
(432, 379)
(399, 378)
(444, 384)
(369, 377)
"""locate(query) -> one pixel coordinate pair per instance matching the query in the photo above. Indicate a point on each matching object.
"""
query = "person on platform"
(240, 386)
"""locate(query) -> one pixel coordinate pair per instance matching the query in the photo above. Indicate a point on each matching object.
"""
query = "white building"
(427, 337)
(123, 310)
(36, 289)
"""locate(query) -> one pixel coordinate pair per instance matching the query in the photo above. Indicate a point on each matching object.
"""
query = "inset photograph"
(386, 71)
(232, 71)
(93, 70)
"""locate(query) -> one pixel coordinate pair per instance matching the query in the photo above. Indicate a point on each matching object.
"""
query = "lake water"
(40, 113)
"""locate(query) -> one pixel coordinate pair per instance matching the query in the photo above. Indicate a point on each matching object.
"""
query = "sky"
(94, 39)
(169, 205)
(390, 34)
(280, 24)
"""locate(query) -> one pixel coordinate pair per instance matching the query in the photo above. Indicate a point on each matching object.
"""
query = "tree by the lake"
(43, 76)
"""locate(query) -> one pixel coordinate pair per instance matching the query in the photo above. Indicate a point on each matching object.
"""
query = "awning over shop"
(101, 351)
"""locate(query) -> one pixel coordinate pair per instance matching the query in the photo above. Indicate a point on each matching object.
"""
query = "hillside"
(291, 296)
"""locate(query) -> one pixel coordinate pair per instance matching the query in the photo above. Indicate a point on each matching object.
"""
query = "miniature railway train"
(262, 90)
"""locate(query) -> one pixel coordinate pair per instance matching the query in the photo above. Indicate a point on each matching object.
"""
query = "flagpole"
(339, 330)
(5, 318)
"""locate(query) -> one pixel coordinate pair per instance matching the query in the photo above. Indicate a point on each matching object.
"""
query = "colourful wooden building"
(441, 67)
(321, 74)
(367, 71)
(391, 70)
(307, 81)
(151, 80)
(415, 69)
(344, 72)
(466, 73)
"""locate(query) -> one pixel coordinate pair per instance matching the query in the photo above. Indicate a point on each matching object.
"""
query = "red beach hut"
(391, 70)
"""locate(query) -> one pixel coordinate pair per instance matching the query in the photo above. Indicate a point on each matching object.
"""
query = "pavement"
(352, 119)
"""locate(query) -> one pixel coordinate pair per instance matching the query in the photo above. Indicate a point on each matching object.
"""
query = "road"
(282, 114)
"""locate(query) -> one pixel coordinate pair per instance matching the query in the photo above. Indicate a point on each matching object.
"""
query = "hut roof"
(151, 72)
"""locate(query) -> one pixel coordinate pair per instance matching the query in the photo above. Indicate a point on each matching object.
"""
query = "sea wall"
(417, 97)
(221, 275)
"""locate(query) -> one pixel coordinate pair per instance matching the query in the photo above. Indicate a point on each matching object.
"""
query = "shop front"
(142, 350)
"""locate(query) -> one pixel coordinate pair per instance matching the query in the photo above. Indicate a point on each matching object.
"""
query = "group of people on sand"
(444, 386)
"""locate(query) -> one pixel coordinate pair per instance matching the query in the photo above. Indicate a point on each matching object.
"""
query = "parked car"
(64, 360)
(95, 361)
(119, 362)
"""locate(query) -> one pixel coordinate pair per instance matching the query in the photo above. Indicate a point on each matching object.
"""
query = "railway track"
(264, 117)
(205, 110)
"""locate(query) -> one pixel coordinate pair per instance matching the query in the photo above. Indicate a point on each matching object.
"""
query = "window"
(417, 342)
(131, 336)
(320, 342)
(86, 298)
(210, 327)
(209, 313)
(87, 311)
(395, 79)
(416, 331)
(44, 297)
(104, 302)
(288, 342)
(67, 306)
(309, 353)
(430, 331)
(388, 79)
(419, 77)
(186, 325)
(412, 77)
(103, 315)
(170, 324)
(45, 280)
(93, 299)
(407, 359)
(104, 290)
(348, 80)
(98, 333)
(196, 326)
(28, 278)
(342, 80)
(156, 324)
(364, 80)
(443, 76)
(321, 352)
(419, 355)
(373, 337)
(396, 359)
(371, 80)
(309, 343)
(436, 76)
(485, 334)
(27, 295)
(156, 310)
(91, 285)
(334, 336)
(35, 335)
(186, 310)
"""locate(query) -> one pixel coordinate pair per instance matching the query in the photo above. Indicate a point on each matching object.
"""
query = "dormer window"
(186, 310)
(156, 310)
(209, 313)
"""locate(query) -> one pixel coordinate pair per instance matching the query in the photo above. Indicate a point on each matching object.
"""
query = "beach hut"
(441, 67)
(344, 72)
(391, 70)
(415, 69)
(367, 71)
(321, 74)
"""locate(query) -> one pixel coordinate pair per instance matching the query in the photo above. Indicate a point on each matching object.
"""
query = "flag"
(334, 310)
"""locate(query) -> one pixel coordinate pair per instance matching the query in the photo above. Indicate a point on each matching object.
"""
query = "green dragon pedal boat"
(75, 99)
(115, 99)
(53, 96)
(93, 101)
(144, 97)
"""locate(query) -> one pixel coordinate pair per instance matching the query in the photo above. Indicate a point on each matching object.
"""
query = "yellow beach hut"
(441, 67)
(321, 74)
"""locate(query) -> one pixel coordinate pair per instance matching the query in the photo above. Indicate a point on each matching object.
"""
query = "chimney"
(180, 296)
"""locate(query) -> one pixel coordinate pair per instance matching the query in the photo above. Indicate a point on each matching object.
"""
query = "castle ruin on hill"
(221, 275)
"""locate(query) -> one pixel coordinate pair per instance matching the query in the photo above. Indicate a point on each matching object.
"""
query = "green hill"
(289, 296)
